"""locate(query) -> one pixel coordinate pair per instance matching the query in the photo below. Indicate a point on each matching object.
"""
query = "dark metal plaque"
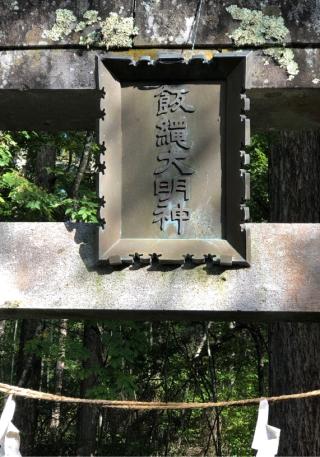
(172, 184)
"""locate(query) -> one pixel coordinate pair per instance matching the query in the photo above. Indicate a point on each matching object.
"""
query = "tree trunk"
(2, 328)
(28, 371)
(88, 416)
(28, 365)
(45, 160)
(294, 347)
(63, 331)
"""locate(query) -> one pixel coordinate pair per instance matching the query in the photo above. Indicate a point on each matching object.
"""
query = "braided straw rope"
(124, 404)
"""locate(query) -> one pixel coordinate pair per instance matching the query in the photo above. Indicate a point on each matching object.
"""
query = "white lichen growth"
(285, 58)
(113, 32)
(65, 24)
(259, 29)
(316, 81)
(80, 26)
(118, 31)
(91, 17)
(90, 28)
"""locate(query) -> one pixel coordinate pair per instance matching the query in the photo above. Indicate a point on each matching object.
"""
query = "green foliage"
(159, 361)
(84, 209)
(6, 144)
(259, 202)
(23, 198)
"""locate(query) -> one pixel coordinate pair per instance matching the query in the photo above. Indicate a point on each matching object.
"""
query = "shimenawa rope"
(144, 405)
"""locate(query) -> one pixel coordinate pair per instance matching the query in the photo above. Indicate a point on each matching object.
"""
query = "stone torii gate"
(49, 58)
(46, 69)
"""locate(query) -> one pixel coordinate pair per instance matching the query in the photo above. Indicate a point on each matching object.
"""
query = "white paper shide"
(9, 434)
(266, 438)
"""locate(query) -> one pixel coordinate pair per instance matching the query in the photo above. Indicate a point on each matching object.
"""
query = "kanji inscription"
(173, 172)
(172, 184)
(171, 161)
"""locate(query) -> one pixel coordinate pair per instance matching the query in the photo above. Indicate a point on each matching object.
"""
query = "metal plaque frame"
(115, 72)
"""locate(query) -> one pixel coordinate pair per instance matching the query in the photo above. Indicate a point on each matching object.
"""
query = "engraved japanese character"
(165, 187)
(161, 215)
(163, 102)
(178, 132)
(172, 100)
(180, 215)
(176, 157)
(178, 102)
(172, 131)
(182, 184)
(163, 136)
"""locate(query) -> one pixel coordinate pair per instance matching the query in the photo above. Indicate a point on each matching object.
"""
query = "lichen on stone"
(91, 20)
(89, 28)
(91, 17)
(259, 29)
(65, 24)
(285, 58)
(118, 31)
(114, 31)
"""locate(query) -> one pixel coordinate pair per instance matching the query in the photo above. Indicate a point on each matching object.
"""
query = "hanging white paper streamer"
(266, 438)
(9, 434)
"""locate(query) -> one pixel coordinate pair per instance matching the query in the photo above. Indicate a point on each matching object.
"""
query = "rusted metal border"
(234, 247)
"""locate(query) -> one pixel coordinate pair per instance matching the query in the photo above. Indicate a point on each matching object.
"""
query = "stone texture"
(23, 22)
(50, 268)
(55, 110)
(76, 69)
(26, 76)
(58, 87)
(170, 22)
(160, 22)
(47, 69)
(293, 109)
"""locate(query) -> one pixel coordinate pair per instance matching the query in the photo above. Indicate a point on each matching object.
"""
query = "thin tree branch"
(83, 165)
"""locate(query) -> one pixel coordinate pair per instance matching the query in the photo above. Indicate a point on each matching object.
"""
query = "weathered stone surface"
(47, 69)
(75, 70)
(293, 109)
(170, 22)
(54, 110)
(49, 268)
(23, 22)
(48, 90)
(265, 73)
(160, 22)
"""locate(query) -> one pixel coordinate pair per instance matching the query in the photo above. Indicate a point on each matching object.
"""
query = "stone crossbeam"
(51, 269)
